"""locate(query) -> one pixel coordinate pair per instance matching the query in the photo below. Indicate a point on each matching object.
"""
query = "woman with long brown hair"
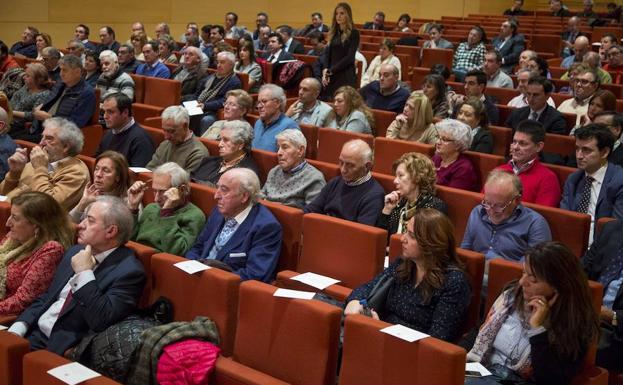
(351, 112)
(430, 291)
(35, 91)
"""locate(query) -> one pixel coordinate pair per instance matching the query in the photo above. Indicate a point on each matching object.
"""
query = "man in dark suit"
(240, 235)
(539, 90)
(316, 25)
(614, 121)
(569, 35)
(475, 85)
(108, 42)
(597, 187)
(509, 44)
(377, 23)
(97, 284)
(604, 263)
(276, 52)
(290, 44)
(26, 46)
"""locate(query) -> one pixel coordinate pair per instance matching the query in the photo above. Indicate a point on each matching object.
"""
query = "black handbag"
(377, 298)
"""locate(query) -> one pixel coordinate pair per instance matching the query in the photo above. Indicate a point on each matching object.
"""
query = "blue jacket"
(216, 103)
(110, 298)
(77, 105)
(253, 250)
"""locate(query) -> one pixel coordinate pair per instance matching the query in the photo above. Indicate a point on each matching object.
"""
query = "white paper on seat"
(477, 367)
(191, 266)
(3, 198)
(404, 333)
(287, 293)
(192, 106)
(73, 373)
(139, 169)
(316, 280)
(2, 327)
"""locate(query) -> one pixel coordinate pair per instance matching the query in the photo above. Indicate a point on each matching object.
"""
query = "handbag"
(377, 298)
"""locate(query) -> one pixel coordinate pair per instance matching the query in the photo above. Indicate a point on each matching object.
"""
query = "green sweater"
(188, 154)
(173, 234)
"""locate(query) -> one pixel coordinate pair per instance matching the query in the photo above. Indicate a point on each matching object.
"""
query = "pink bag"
(187, 362)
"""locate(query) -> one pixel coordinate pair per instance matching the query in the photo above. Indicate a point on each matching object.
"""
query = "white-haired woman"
(112, 79)
(293, 182)
(454, 169)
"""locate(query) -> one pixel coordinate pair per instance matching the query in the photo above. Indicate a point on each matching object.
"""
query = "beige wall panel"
(112, 11)
(23, 10)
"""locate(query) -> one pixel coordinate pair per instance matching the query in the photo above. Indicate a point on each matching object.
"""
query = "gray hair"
(178, 175)
(79, 45)
(116, 213)
(531, 53)
(228, 56)
(363, 148)
(522, 70)
(71, 61)
(248, 182)
(460, 131)
(275, 92)
(52, 52)
(130, 47)
(108, 54)
(293, 136)
(241, 132)
(505, 178)
(68, 133)
(178, 114)
(394, 69)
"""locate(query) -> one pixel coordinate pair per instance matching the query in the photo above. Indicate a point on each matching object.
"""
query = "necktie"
(226, 232)
(270, 58)
(585, 198)
(534, 116)
(70, 295)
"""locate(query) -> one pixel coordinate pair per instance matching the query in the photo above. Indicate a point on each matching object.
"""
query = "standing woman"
(339, 56)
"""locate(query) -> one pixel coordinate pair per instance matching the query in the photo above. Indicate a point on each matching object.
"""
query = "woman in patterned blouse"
(35, 91)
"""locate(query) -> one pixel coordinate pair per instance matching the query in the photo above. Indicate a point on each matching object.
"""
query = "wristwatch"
(615, 322)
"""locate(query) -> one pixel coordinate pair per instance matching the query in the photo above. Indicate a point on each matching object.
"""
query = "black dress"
(340, 60)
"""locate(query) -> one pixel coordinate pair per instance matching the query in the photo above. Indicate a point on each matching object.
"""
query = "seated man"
(386, 93)
(614, 121)
(501, 227)
(510, 45)
(558, 9)
(261, 43)
(240, 235)
(586, 83)
(81, 33)
(125, 135)
(152, 66)
(50, 57)
(127, 60)
(232, 31)
(540, 184)
(76, 48)
(191, 73)
(580, 47)
(492, 68)
(170, 224)
(354, 195)
(108, 42)
(521, 100)
(593, 61)
(276, 52)
(515, 9)
(53, 167)
(615, 63)
(113, 79)
(538, 93)
(569, 36)
(475, 85)
(97, 284)
(27, 46)
(597, 187)
(377, 23)
(308, 109)
(6, 61)
(180, 145)
(293, 182)
(71, 98)
(316, 25)
(271, 102)
(290, 44)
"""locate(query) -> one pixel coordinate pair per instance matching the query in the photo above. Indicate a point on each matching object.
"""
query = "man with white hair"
(52, 167)
(593, 61)
(180, 145)
(191, 73)
(113, 79)
(162, 29)
(240, 235)
(170, 224)
(271, 102)
(293, 182)
(526, 56)
(354, 195)
(308, 109)
(212, 96)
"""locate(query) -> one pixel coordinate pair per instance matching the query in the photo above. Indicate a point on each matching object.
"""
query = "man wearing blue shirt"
(271, 103)
(152, 67)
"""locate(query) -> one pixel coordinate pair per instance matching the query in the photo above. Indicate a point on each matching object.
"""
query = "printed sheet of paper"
(139, 169)
(191, 266)
(404, 333)
(316, 280)
(73, 373)
(287, 293)
(192, 106)
(477, 367)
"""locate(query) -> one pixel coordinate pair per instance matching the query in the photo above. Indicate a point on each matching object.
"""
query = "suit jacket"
(110, 298)
(550, 118)
(296, 47)
(492, 110)
(283, 55)
(610, 199)
(482, 142)
(510, 51)
(616, 156)
(310, 27)
(253, 250)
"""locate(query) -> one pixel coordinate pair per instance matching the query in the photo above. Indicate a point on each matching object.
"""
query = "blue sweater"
(395, 102)
(264, 136)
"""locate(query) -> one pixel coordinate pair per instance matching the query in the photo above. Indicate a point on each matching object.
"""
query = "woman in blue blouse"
(430, 291)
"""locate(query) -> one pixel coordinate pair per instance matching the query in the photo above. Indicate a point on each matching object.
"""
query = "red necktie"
(67, 302)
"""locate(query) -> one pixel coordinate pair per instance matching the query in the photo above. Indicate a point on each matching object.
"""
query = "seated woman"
(473, 113)
(415, 189)
(42, 40)
(403, 23)
(34, 92)
(454, 169)
(138, 40)
(385, 56)
(416, 121)
(434, 87)
(92, 68)
(110, 177)
(351, 112)
(234, 150)
(436, 41)
(470, 54)
(248, 65)
(602, 100)
(166, 46)
(540, 328)
(430, 291)
(39, 233)
(293, 182)
(237, 104)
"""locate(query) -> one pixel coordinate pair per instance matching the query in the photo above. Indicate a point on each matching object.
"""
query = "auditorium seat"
(211, 145)
(370, 357)
(563, 145)
(36, 366)
(291, 220)
(562, 172)
(460, 204)
(89, 162)
(144, 254)
(484, 164)
(330, 142)
(12, 350)
(202, 196)
(5, 213)
(387, 150)
(311, 136)
(382, 120)
(432, 56)
(281, 340)
(158, 95)
(156, 134)
(93, 135)
(139, 87)
(546, 43)
(329, 170)
(501, 95)
(502, 138)
(386, 181)
(265, 161)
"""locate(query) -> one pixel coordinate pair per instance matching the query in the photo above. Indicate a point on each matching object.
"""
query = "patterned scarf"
(213, 86)
(11, 251)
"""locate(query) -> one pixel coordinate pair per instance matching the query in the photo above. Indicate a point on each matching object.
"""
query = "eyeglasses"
(583, 82)
(496, 207)
(232, 104)
(444, 139)
(613, 54)
(264, 102)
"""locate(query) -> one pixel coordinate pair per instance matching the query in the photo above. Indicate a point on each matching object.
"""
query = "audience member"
(248, 65)
(387, 93)
(475, 85)
(180, 144)
(293, 182)
(26, 47)
(237, 104)
(290, 44)
(614, 13)
(509, 44)
(385, 56)
(127, 61)
(113, 79)
(6, 61)
(124, 134)
(166, 46)
(593, 61)
(276, 53)
(192, 74)
(469, 55)
(241, 235)
(492, 68)
(271, 103)
(521, 100)
(92, 68)
(353, 195)
(308, 109)
(430, 290)
(152, 66)
(558, 9)
(170, 224)
(586, 83)
(7, 145)
(50, 59)
(580, 47)
(318, 42)
(615, 64)
(261, 43)
(570, 35)
(515, 9)
(138, 40)
(138, 27)
(35, 91)
(81, 33)
(524, 57)
(614, 121)
(377, 22)
(435, 32)
(539, 65)
(42, 40)
(588, 13)
(501, 227)
(402, 25)
(540, 184)
(232, 31)
(97, 284)
(435, 89)
(538, 92)
(107, 39)
(416, 121)
(602, 100)
(315, 25)
(473, 113)
(351, 112)
(607, 41)
(454, 169)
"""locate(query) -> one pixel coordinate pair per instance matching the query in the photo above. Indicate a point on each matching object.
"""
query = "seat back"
(89, 162)
(144, 253)
(93, 135)
(139, 87)
(386, 151)
(484, 163)
(311, 135)
(559, 144)
(12, 349)
(562, 172)
(330, 142)
(211, 145)
(156, 134)
(546, 43)
(293, 340)
(501, 95)
(432, 56)
(96, 112)
(382, 120)
(460, 204)
(202, 196)
(329, 170)
(370, 357)
(291, 220)
(162, 92)
(37, 364)
(502, 138)
(265, 161)
(344, 250)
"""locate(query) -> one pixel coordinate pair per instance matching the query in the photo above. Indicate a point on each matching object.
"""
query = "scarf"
(11, 251)
(213, 86)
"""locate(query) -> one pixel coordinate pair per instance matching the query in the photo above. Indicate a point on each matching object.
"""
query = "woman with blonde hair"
(416, 121)
(138, 40)
(39, 233)
(351, 112)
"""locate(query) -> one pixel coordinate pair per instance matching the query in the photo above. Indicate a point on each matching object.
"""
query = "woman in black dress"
(339, 56)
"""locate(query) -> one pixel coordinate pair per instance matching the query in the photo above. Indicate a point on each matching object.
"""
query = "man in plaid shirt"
(470, 54)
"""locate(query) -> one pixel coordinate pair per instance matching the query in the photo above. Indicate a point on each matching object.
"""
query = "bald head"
(355, 160)
(309, 89)
(581, 46)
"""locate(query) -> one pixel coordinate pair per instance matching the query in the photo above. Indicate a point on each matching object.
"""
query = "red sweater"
(540, 184)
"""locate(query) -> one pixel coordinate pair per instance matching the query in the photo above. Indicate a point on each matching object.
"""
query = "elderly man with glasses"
(615, 64)
(586, 83)
(271, 103)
